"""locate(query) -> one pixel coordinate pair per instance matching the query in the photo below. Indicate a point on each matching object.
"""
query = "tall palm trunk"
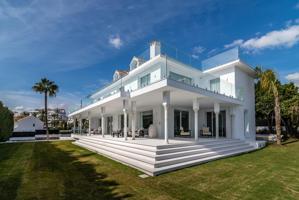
(277, 116)
(46, 113)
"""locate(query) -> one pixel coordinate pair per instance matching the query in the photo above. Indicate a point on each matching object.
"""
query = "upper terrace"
(161, 62)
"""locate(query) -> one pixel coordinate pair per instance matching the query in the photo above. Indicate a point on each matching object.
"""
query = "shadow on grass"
(11, 177)
(290, 141)
(80, 179)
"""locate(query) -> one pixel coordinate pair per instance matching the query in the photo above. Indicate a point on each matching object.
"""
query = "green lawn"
(61, 170)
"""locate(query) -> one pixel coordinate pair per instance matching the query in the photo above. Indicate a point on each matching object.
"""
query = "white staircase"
(155, 160)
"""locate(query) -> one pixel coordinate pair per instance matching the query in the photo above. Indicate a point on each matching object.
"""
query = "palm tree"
(48, 88)
(269, 83)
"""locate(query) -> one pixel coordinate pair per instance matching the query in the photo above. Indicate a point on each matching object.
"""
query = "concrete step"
(154, 161)
(196, 146)
(182, 159)
(161, 170)
(144, 167)
(135, 156)
(130, 149)
(122, 143)
(191, 143)
(186, 152)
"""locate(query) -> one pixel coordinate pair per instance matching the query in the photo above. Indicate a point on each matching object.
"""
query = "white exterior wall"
(155, 75)
(131, 86)
(28, 124)
(247, 82)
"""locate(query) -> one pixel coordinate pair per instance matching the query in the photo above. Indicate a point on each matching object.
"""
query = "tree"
(290, 107)
(269, 84)
(6, 122)
(48, 88)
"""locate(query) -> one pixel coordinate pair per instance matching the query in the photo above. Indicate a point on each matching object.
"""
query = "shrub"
(6, 122)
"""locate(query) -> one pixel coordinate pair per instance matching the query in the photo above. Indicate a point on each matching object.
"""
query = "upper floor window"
(215, 85)
(180, 78)
(145, 80)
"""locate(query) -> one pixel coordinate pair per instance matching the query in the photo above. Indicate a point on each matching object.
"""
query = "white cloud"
(234, 43)
(286, 37)
(196, 51)
(294, 77)
(115, 41)
(28, 100)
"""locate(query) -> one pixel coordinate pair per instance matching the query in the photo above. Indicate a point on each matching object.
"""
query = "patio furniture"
(205, 131)
(140, 133)
(185, 133)
(117, 133)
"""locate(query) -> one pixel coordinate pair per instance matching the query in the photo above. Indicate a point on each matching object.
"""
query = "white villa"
(164, 114)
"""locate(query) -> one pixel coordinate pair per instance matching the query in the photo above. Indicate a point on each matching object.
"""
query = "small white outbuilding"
(28, 124)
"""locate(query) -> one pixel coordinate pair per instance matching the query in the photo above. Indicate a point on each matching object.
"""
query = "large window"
(180, 78)
(145, 80)
(215, 85)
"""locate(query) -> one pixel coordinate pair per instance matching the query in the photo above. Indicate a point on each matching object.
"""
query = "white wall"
(28, 124)
(247, 83)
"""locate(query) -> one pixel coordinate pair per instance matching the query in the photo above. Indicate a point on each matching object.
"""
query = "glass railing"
(220, 59)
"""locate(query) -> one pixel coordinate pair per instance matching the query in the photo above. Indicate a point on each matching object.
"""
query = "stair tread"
(135, 156)
(163, 169)
(201, 154)
(198, 150)
(128, 148)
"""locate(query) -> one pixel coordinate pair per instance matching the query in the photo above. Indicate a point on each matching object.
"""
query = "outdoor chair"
(205, 131)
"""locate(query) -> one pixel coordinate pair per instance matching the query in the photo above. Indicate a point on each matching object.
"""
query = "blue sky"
(79, 43)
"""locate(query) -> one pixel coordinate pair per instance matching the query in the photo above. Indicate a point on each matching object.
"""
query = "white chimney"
(155, 49)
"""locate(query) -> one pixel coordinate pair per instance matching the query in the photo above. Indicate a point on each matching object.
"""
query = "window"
(246, 124)
(180, 78)
(215, 85)
(145, 80)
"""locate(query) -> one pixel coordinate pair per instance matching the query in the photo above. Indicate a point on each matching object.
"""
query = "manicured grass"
(61, 170)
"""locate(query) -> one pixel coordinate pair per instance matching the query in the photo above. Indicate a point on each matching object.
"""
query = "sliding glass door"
(211, 123)
(181, 122)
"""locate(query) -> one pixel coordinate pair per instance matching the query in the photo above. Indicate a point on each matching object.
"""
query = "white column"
(74, 121)
(216, 111)
(80, 125)
(195, 109)
(133, 106)
(89, 125)
(103, 121)
(103, 125)
(166, 102)
(125, 110)
(125, 124)
(165, 122)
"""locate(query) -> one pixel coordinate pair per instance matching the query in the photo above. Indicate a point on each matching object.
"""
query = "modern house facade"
(164, 98)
